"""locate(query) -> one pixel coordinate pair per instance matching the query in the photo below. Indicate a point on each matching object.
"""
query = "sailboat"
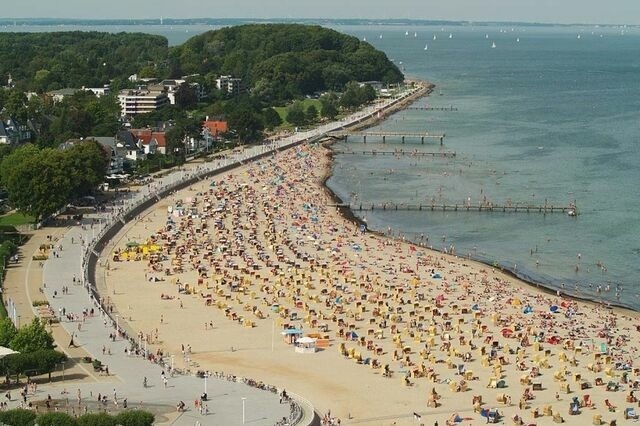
(380, 36)
(406, 33)
(426, 47)
(364, 39)
(415, 35)
(493, 45)
(435, 37)
(518, 40)
(486, 36)
(578, 36)
(450, 35)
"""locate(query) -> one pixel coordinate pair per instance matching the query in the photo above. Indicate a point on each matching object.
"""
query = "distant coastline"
(9, 22)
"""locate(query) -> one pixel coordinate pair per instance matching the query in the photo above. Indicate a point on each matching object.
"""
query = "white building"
(141, 101)
(228, 84)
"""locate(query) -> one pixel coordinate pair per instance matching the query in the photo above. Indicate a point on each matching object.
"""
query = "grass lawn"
(282, 111)
(15, 219)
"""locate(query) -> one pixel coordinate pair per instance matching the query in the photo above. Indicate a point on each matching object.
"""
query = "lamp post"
(172, 357)
(117, 324)
(243, 417)
(206, 374)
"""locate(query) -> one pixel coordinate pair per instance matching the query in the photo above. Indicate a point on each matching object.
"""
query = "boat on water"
(435, 37)
(415, 35)
(579, 36)
(380, 36)
(486, 36)
(518, 40)
(450, 35)
(426, 47)
(406, 33)
(493, 45)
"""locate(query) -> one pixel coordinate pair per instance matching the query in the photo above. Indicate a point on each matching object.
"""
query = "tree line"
(40, 181)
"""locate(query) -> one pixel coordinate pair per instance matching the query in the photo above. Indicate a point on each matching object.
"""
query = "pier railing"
(569, 209)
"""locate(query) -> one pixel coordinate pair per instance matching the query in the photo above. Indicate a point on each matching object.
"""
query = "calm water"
(552, 117)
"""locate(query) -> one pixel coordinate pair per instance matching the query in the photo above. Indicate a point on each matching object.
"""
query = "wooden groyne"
(343, 134)
(570, 209)
(444, 154)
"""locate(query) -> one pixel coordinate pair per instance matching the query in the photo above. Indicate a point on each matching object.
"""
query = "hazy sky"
(558, 11)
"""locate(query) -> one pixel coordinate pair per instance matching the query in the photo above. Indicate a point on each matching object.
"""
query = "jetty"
(431, 108)
(345, 135)
(402, 153)
(570, 209)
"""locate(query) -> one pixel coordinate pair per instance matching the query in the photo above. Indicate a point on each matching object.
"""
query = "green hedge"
(20, 417)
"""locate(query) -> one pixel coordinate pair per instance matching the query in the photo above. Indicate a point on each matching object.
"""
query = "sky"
(548, 11)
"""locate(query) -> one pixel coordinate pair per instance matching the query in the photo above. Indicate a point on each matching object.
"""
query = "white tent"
(6, 351)
(306, 345)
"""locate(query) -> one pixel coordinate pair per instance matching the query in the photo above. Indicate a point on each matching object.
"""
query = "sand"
(262, 248)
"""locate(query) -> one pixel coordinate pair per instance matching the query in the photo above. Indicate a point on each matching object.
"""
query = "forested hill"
(49, 61)
(278, 62)
(282, 61)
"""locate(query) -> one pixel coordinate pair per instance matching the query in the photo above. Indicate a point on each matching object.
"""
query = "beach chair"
(557, 418)
(630, 414)
(453, 386)
(609, 405)
(547, 410)
(586, 401)
(564, 387)
(597, 419)
(493, 383)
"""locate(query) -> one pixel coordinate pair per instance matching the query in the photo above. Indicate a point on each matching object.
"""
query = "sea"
(550, 115)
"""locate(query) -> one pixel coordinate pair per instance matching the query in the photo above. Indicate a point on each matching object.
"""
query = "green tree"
(7, 330)
(135, 418)
(295, 114)
(86, 164)
(271, 118)
(18, 416)
(56, 419)
(32, 337)
(311, 115)
(329, 105)
(244, 118)
(351, 97)
(186, 96)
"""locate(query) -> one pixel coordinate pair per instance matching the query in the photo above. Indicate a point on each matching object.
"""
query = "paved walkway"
(229, 402)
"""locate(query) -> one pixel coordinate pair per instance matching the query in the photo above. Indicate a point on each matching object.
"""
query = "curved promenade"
(78, 253)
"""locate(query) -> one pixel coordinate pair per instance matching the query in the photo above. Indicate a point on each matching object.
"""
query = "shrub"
(18, 417)
(135, 418)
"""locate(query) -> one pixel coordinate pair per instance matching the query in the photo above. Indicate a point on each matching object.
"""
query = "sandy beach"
(215, 274)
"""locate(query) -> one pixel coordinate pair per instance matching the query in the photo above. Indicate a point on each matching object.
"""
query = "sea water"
(551, 118)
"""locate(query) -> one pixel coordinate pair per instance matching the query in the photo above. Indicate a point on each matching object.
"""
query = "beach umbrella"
(132, 244)
(516, 302)
(506, 332)
(553, 308)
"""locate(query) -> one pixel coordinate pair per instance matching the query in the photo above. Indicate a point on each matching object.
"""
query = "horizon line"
(332, 19)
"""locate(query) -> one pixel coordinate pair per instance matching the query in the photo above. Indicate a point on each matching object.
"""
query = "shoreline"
(353, 217)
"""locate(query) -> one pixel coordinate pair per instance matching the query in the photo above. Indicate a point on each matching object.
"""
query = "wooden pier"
(569, 210)
(431, 108)
(342, 134)
(443, 154)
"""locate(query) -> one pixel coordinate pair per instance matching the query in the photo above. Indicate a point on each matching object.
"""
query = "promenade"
(229, 402)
